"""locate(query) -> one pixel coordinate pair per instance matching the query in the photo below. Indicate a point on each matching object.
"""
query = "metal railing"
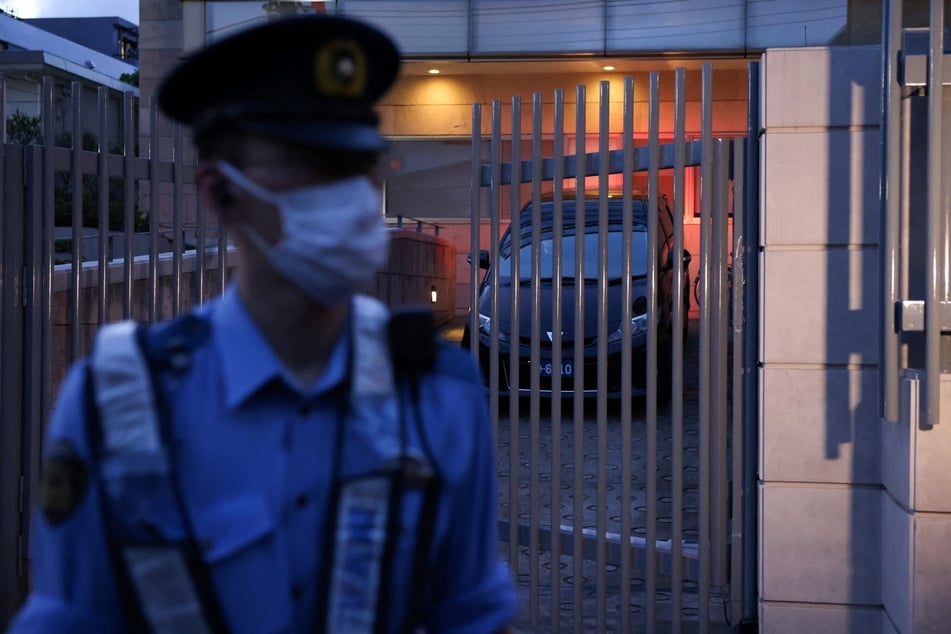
(419, 223)
(915, 282)
(51, 300)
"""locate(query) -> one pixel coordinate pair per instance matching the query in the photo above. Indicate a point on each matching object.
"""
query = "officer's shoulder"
(167, 341)
(453, 362)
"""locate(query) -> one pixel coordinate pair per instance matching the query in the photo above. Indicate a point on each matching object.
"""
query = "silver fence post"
(677, 387)
(535, 355)
(627, 229)
(76, 266)
(178, 245)
(514, 384)
(737, 536)
(577, 528)
(103, 206)
(651, 382)
(706, 208)
(14, 498)
(475, 190)
(936, 260)
(128, 200)
(718, 344)
(494, 193)
(890, 193)
(558, 175)
(155, 309)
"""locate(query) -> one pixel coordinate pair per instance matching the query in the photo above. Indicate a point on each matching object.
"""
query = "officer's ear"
(215, 191)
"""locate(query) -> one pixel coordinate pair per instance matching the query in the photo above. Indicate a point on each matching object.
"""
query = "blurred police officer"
(289, 457)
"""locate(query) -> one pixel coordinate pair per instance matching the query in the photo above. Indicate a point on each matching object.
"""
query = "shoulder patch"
(63, 483)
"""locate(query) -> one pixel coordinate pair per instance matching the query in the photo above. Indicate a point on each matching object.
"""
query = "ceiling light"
(609, 67)
(433, 71)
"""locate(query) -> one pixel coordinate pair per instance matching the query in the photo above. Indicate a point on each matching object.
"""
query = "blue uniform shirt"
(256, 455)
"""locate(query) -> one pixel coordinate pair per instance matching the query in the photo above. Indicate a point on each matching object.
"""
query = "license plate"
(548, 369)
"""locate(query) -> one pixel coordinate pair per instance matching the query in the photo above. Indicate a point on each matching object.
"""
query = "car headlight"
(638, 327)
(485, 325)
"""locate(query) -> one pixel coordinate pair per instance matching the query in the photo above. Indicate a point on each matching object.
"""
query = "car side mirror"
(670, 260)
(483, 259)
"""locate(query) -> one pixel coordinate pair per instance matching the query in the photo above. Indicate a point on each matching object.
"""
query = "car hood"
(569, 295)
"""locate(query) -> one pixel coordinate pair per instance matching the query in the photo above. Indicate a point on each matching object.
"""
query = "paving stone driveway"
(534, 482)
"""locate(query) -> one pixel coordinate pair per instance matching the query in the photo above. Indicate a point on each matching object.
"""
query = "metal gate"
(59, 283)
(620, 510)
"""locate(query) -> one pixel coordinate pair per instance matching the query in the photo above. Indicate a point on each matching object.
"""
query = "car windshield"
(591, 251)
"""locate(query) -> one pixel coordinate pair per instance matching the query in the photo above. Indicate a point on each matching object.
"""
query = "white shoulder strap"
(132, 444)
(124, 391)
(373, 369)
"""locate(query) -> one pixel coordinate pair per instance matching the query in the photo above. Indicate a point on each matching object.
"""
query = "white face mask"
(333, 238)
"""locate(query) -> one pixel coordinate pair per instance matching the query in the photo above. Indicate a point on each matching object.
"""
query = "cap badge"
(340, 69)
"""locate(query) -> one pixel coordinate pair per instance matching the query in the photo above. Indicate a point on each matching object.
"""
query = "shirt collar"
(247, 360)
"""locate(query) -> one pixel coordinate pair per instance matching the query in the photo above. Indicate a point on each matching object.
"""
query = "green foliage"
(26, 130)
(130, 78)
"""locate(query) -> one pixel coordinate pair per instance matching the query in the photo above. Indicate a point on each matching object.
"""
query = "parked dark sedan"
(587, 291)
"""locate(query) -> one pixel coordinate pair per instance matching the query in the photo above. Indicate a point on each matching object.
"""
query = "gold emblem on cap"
(340, 69)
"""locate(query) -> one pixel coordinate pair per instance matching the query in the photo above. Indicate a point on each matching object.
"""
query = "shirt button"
(300, 501)
(297, 591)
(303, 409)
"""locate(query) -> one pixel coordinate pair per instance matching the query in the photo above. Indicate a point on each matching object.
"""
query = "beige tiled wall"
(855, 516)
(820, 461)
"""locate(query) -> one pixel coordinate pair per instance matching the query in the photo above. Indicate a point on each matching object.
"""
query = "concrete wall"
(820, 462)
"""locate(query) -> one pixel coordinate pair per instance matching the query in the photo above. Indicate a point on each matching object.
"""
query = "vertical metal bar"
(750, 314)
(3, 108)
(653, 135)
(535, 355)
(128, 200)
(36, 393)
(494, 194)
(46, 263)
(102, 168)
(889, 191)
(706, 196)
(739, 267)
(577, 519)
(558, 157)
(223, 255)
(15, 271)
(475, 191)
(627, 224)
(514, 352)
(201, 235)
(604, 131)
(677, 351)
(155, 309)
(936, 257)
(177, 227)
(719, 518)
(76, 267)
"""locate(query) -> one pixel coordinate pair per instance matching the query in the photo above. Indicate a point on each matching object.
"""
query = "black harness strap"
(135, 617)
(418, 589)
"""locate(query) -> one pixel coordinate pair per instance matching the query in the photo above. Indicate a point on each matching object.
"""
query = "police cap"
(311, 80)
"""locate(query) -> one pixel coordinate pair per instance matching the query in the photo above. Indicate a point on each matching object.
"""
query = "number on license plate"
(547, 369)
